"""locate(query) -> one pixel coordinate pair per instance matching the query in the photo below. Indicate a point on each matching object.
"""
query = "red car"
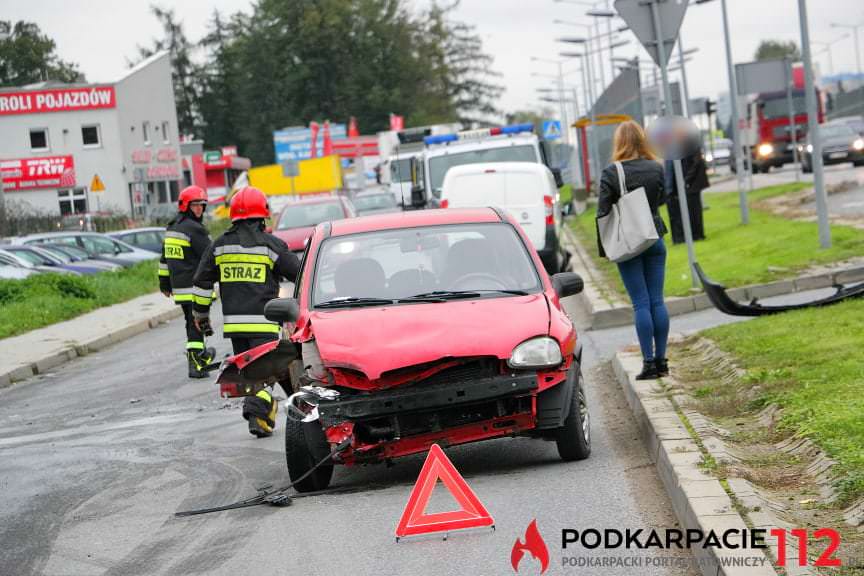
(422, 327)
(298, 219)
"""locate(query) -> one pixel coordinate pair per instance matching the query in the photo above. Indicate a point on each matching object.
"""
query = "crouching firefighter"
(248, 263)
(185, 242)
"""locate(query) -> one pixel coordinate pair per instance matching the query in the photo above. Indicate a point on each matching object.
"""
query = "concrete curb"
(699, 500)
(72, 348)
(604, 314)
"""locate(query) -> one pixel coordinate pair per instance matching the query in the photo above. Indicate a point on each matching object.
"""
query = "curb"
(699, 500)
(74, 349)
(602, 314)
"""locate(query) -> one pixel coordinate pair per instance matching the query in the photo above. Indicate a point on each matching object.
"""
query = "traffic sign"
(552, 129)
(290, 168)
(212, 156)
(637, 15)
(96, 185)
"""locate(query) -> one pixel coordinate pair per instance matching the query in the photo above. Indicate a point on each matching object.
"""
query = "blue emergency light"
(474, 134)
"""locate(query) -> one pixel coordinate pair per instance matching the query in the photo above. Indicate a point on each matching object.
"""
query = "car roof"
(313, 200)
(133, 230)
(412, 219)
(481, 144)
(504, 167)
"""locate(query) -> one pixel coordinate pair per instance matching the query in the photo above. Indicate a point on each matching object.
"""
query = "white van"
(526, 190)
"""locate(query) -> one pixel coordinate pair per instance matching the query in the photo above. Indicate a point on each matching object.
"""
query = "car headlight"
(765, 149)
(709, 157)
(810, 148)
(542, 352)
(858, 144)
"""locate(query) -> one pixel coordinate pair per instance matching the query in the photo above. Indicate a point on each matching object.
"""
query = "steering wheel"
(497, 283)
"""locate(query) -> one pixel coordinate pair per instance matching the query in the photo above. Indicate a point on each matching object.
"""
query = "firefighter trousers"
(194, 337)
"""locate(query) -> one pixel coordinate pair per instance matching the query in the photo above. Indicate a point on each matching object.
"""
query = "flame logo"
(534, 544)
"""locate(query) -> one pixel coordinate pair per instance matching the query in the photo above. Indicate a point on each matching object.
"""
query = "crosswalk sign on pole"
(552, 129)
(96, 185)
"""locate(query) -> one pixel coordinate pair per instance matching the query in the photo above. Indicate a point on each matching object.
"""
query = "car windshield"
(73, 251)
(779, 107)
(439, 165)
(375, 202)
(837, 131)
(437, 261)
(58, 254)
(31, 257)
(303, 215)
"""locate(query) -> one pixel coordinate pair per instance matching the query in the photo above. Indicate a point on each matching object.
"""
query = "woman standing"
(643, 275)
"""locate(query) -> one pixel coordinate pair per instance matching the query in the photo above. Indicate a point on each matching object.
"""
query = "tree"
(183, 70)
(217, 92)
(777, 49)
(28, 56)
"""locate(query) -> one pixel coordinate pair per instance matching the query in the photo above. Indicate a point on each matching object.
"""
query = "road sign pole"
(679, 171)
(813, 129)
(736, 129)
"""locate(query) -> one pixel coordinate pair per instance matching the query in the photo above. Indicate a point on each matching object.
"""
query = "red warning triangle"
(415, 521)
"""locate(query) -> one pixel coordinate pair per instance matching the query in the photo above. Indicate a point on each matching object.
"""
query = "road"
(834, 174)
(97, 456)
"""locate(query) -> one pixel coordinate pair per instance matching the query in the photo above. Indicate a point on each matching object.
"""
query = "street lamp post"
(5, 33)
(854, 28)
(827, 48)
(563, 107)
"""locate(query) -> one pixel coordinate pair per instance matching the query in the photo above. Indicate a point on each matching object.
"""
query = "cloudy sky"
(100, 34)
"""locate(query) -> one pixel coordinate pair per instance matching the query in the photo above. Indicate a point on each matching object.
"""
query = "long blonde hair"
(631, 143)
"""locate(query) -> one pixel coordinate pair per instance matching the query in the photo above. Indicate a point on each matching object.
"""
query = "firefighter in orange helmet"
(185, 242)
(248, 263)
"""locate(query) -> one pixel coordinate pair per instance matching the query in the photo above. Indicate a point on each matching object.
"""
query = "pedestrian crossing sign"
(552, 129)
(96, 185)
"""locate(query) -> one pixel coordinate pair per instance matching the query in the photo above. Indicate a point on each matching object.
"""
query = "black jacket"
(639, 173)
(248, 263)
(185, 242)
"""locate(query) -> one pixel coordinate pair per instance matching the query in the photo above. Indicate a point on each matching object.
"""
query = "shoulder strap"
(622, 181)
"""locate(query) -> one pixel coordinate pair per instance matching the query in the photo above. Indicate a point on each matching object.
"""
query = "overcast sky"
(100, 34)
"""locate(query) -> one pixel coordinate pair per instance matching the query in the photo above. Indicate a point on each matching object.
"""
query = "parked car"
(524, 189)
(840, 144)
(10, 272)
(18, 260)
(78, 256)
(149, 239)
(432, 326)
(375, 202)
(297, 220)
(53, 262)
(96, 245)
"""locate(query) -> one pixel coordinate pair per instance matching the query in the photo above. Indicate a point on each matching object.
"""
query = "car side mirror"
(282, 310)
(567, 284)
(559, 180)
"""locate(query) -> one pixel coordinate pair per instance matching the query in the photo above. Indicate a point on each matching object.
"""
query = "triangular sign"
(415, 521)
(96, 184)
(637, 15)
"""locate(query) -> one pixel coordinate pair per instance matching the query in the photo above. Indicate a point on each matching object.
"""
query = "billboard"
(61, 100)
(38, 173)
(295, 143)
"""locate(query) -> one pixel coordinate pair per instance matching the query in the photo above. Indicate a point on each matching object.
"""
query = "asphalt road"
(96, 457)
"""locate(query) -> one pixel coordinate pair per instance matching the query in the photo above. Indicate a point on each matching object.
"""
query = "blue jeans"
(643, 278)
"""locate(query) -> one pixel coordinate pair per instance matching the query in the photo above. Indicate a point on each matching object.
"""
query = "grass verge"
(769, 248)
(45, 299)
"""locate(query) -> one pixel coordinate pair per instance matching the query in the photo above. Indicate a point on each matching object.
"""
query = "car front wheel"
(305, 446)
(574, 437)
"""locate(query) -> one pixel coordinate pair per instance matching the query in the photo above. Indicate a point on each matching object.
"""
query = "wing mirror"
(559, 180)
(282, 310)
(567, 284)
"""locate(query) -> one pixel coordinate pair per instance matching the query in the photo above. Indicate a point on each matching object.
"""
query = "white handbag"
(628, 230)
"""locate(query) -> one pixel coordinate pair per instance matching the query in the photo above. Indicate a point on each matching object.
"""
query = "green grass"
(769, 248)
(566, 194)
(810, 363)
(45, 299)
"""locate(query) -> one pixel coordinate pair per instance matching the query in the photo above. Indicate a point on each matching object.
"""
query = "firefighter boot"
(260, 411)
(207, 356)
(196, 367)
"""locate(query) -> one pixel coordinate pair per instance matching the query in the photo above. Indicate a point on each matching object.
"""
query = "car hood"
(377, 340)
(295, 238)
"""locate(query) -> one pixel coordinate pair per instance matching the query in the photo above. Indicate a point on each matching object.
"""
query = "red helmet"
(247, 203)
(189, 195)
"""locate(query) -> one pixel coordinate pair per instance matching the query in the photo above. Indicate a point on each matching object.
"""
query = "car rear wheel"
(574, 437)
(305, 446)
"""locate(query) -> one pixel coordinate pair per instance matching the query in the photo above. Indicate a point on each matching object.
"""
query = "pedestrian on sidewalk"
(248, 263)
(643, 275)
(695, 181)
(185, 242)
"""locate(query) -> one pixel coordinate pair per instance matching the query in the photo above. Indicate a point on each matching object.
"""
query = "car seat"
(410, 282)
(472, 256)
(360, 278)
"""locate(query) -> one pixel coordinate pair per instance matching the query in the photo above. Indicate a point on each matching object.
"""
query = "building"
(214, 170)
(93, 147)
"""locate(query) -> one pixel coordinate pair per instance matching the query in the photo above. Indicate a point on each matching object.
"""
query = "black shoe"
(662, 365)
(649, 371)
(195, 369)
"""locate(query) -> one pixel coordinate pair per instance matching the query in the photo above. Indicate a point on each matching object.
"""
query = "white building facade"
(97, 147)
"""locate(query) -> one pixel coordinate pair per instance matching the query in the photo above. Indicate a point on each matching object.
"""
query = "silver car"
(98, 246)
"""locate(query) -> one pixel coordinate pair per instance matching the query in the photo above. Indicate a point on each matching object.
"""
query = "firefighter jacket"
(248, 263)
(185, 242)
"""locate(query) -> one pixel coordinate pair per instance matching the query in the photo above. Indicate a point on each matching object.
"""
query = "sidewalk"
(38, 351)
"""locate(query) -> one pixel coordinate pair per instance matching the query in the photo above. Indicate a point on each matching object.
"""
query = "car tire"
(306, 445)
(574, 437)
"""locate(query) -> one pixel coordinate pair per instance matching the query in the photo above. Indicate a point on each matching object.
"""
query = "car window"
(439, 165)
(375, 202)
(401, 263)
(58, 254)
(98, 245)
(837, 131)
(31, 257)
(303, 215)
(10, 260)
(148, 239)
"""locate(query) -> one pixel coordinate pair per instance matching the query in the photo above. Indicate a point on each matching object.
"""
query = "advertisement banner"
(296, 143)
(38, 173)
(61, 100)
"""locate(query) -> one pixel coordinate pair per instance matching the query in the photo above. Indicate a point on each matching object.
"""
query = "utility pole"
(736, 129)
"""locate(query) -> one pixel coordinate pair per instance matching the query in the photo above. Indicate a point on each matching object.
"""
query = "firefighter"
(185, 242)
(248, 263)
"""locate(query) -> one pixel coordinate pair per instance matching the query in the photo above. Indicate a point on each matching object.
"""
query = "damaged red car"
(422, 327)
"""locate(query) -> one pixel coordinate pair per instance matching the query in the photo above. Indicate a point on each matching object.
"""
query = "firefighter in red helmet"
(248, 263)
(185, 242)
